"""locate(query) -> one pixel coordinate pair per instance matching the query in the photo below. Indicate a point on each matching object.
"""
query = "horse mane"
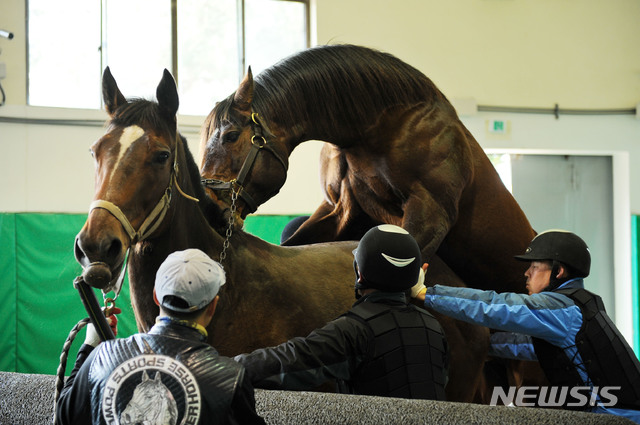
(339, 88)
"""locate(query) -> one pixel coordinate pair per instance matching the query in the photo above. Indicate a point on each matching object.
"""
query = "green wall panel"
(8, 292)
(38, 303)
(267, 227)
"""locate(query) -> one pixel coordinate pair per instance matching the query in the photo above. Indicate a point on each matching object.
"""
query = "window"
(208, 46)
(502, 164)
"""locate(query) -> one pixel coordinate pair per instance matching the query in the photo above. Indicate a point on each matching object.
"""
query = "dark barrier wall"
(28, 399)
(38, 304)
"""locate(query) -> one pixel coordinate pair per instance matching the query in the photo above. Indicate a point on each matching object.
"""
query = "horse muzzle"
(98, 274)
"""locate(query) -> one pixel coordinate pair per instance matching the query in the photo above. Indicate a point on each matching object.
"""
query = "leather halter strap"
(258, 142)
(149, 225)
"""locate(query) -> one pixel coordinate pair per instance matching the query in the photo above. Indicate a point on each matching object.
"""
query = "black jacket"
(171, 371)
(383, 346)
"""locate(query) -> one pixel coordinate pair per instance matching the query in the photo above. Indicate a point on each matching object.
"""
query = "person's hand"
(418, 290)
(112, 320)
(92, 338)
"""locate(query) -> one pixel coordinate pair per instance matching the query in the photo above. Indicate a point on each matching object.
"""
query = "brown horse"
(146, 179)
(398, 154)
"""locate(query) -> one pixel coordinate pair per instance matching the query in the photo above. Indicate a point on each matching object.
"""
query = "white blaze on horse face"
(128, 136)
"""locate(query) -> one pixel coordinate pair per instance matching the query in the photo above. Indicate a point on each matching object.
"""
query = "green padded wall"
(8, 293)
(39, 306)
(38, 303)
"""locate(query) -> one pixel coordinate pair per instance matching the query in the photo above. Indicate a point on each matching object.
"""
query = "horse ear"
(157, 377)
(145, 377)
(111, 94)
(167, 94)
(244, 95)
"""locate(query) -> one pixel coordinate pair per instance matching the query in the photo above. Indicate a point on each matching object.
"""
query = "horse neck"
(294, 122)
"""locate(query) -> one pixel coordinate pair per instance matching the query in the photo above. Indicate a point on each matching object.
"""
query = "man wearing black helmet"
(559, 323)
(383, 346)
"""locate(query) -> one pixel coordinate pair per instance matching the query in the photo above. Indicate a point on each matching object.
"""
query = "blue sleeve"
(547, 315)
(510, 345)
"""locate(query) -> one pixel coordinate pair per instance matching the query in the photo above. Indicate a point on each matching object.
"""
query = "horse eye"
(161, 157)
(93, 155)
(231, 137)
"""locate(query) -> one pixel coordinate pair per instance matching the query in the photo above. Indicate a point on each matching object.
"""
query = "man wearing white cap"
(169, 375)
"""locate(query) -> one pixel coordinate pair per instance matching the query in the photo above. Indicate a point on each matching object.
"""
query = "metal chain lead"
(229, 232)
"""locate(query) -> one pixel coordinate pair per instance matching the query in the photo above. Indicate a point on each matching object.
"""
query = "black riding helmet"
(387, 258)
(562, 246)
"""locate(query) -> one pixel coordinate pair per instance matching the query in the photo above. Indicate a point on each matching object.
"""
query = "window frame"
(240, 25)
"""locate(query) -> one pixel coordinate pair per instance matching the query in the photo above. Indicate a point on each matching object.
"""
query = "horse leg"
(328, 224)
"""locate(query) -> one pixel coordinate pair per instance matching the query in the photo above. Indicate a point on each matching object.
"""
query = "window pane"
(64, 57)
(207, 53)
(274, 30)
(138, 44)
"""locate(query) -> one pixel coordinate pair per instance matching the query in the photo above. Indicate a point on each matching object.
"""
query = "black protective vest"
(189, 379)
(608, 358)
(409, 357)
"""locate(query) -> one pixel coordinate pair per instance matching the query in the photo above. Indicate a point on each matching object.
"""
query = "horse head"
(135, 179)
(245, 163)
(151, 403)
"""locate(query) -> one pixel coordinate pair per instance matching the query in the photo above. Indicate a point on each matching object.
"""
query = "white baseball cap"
(192, 277)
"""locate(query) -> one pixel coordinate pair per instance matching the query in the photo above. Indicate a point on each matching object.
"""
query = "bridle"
(258, 142)
(152, 221)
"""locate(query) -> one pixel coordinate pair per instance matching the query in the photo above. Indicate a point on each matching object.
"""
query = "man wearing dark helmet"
(560, 324)
(383, 346)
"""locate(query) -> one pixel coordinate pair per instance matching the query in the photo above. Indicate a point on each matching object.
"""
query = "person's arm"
(331, 352)
(243, 404)
(510, 345)
(74, 404)
(550, 316)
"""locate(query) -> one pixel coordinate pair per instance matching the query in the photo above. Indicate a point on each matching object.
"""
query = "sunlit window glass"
(274, 30)
(138, 43)
(134, 38)
(208, 53)
(502, 164)
(64, 53)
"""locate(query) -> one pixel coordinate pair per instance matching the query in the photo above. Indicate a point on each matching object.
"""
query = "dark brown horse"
(147, 187)
(399, 155)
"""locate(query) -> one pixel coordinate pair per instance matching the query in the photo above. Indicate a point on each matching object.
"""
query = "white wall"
(577, 53)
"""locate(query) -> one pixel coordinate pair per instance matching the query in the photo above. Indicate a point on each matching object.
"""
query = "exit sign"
(498, 126)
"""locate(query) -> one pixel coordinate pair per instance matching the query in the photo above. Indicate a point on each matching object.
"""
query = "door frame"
(622, 261)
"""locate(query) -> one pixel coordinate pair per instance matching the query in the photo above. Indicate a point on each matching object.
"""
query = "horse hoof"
(97, 275)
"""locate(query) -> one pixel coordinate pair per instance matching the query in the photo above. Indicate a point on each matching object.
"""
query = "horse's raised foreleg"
(427, 220)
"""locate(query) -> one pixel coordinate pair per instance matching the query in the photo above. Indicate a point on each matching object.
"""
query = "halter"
(153, 220)
(258, 142)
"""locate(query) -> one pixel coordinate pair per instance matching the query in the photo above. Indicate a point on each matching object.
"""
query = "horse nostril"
(79, 253)
(115, 248)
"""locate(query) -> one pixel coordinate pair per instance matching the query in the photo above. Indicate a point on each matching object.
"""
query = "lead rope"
(229, 232)
(64, 355)
(63, 363)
